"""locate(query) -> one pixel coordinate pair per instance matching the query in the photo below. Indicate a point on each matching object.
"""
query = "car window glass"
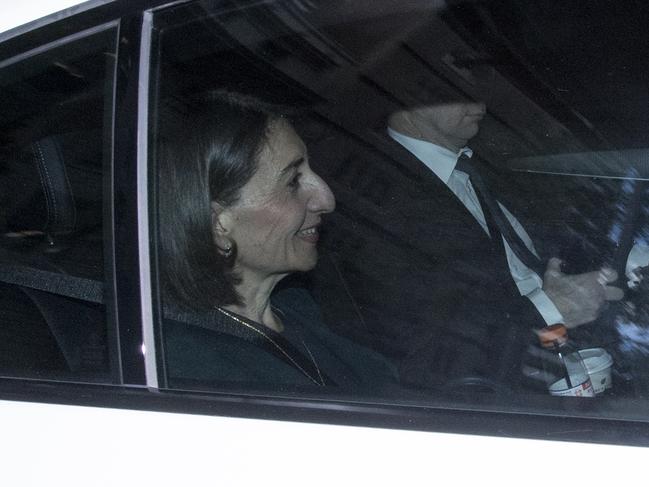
(397, 104)
(55, 119)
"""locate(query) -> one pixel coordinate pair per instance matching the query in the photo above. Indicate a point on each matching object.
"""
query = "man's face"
(450, 125)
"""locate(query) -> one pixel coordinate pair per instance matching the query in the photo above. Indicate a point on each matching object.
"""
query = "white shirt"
(442, 162)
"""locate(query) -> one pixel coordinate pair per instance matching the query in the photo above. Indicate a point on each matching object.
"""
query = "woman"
(240, 209)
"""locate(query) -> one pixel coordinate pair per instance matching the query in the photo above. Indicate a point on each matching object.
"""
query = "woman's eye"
(295, 181)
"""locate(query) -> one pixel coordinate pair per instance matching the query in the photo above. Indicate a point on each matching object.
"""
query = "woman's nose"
(321, 200)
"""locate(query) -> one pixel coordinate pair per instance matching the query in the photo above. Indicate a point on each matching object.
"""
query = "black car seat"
(51, 306)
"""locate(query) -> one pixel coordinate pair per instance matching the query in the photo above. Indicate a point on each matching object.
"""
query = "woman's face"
(275, 222)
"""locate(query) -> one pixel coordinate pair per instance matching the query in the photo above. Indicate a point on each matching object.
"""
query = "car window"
(489, 184)
(56, 133)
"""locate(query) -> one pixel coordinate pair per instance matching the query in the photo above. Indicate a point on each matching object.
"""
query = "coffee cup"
(599, 365)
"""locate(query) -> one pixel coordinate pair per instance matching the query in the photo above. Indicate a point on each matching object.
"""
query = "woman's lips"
(310, 234)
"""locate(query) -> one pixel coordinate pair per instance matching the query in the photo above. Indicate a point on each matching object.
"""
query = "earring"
(227, 252)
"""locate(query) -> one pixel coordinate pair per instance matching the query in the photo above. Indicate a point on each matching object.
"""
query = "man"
(437, 135)
(433, 286)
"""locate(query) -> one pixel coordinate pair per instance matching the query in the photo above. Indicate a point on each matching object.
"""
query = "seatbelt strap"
(90, 290)
(53, 282)
(254, 333)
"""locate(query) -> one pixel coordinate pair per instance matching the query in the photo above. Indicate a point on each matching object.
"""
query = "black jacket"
(412, 274)
(203, 350)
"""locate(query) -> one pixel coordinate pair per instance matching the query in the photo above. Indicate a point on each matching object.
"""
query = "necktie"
(492, 209)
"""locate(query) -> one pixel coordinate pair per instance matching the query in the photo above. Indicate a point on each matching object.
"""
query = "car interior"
(52, 224)
(53, 161)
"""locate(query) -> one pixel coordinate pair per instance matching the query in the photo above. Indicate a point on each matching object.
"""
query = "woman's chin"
(307, 262)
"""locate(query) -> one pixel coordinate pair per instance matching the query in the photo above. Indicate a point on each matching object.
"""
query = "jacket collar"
(440, 160)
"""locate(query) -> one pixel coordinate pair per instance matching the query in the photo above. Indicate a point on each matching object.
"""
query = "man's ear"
(402, 121)
(221, 225)
(396, 120)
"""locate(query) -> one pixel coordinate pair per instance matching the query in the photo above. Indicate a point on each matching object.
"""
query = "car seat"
(52, 258)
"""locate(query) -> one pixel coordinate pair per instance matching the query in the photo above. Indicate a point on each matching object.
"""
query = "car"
(87, 390)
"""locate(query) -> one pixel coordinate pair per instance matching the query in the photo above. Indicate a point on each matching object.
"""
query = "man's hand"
(579, 297)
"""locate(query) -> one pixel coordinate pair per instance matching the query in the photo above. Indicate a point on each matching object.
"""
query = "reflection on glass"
(409, 263)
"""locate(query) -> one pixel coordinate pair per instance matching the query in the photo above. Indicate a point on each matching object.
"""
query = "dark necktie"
(493, 212)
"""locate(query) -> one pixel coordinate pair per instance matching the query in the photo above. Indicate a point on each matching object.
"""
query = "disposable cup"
(599, 365)
(560, 388)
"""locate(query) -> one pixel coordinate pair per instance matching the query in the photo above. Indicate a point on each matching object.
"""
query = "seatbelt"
(93, 291)
(53, 282)
(254, 333)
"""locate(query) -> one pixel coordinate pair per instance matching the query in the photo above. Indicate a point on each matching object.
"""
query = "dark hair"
(208, 150)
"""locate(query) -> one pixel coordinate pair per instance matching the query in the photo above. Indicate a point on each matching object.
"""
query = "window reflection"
(412, 264)
(55, 123)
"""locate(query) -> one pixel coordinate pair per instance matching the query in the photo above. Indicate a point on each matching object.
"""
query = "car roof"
(18, 18)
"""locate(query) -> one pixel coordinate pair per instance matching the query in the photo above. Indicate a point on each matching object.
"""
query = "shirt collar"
(438, 159)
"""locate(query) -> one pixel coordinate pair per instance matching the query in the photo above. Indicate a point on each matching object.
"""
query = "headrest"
(40, 197)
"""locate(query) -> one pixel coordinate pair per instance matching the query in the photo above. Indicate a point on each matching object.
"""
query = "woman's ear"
(221, 226)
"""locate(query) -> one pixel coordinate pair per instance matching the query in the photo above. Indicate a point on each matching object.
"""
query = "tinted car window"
(56, 112)
(407, 268)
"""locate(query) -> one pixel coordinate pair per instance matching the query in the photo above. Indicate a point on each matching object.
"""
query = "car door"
(87, 393)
